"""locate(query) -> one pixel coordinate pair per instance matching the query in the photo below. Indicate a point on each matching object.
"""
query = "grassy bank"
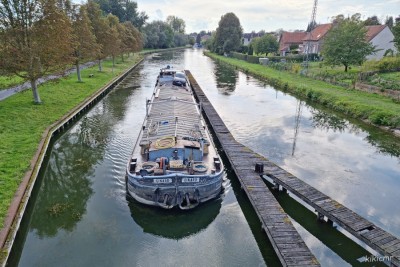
(375, 109)
(22, 123)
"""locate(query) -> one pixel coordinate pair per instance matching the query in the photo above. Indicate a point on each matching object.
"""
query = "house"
(248, 37)
(314, 39)
(382, 38)
(288, 39)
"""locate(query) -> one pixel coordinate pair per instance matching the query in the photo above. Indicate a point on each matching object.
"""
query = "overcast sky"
(268, 15)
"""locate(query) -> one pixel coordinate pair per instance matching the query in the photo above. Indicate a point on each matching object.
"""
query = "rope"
(165, 142)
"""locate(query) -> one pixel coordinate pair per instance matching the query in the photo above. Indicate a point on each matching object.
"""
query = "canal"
(81, 216)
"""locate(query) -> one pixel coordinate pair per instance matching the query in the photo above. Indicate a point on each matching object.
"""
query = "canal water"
(81, 215)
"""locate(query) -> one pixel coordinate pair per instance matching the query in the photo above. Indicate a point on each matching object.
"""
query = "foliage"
(265, 44)
(177, 24)
(22, 124)
(389, 22)
(86, 46)
(384, 81)
(228, 35)
(36, 39)
(180, 39)
(370, 21)
(158, 35)
(396, 33)
(386, 64)
(345, 43)
(125, 10)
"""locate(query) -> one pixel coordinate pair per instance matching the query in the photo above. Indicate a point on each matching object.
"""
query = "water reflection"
(382, 141)
(299, 107)
(174, 224)
(225, 78)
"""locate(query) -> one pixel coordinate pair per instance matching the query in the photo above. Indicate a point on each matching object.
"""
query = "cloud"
(267, 14)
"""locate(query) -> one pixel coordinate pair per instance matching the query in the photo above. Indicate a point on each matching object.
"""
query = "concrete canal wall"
(22, 196)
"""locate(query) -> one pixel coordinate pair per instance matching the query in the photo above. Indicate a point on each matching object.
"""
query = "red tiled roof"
(289, 38)
(318, 33)
(373, 31)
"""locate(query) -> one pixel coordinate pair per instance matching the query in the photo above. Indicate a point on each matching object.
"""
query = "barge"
(174, 161)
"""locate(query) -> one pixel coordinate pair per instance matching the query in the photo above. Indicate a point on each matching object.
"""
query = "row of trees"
(38, 37)
(160, 34)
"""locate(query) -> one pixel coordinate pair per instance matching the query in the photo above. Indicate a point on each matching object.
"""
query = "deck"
(289, 247)
(286, 241)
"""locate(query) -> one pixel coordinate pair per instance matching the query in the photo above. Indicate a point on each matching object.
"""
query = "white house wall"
(383, 41)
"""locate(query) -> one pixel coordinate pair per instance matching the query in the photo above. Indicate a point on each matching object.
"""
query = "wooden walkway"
(276, 223)
(286, 241)
(375, 237)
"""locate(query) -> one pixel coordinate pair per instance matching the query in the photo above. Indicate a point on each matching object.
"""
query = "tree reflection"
(384, 142)
(329, 121)
(66, 185)
(226, 78)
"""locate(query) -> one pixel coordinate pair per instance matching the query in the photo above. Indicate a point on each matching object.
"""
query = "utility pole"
(309, 30)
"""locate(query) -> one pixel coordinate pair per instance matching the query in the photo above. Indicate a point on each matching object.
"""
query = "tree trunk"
(345, 68)
(35, 92)
(100, 68)
(122, 57)
(78, 71)
(113, 58)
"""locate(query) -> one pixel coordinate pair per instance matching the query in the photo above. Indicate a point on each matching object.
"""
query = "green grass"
(22, 123)
(373, 108)
(7, 82)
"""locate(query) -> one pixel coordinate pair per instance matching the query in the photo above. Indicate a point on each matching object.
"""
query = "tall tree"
(346, 44)
(158, 35)
(115, 44)
(86, 46)
(265, 44)
(389, 22)
(228, 35)
(133, 39)
(101, 30)
(396, 33)
(177, 24)
(36, 39)
(370, 21)
(125, 10)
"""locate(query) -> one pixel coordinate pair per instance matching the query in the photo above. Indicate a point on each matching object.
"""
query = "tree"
(101, 30)
(86, 46)
(228, 35)
(396, 33)
(345, 44)
(265, 44)
(177, 24)
(389, 22)
(125, 10)
(180, 39)
(158, 34)
(370, 21)
(36, 39)
(114, 46)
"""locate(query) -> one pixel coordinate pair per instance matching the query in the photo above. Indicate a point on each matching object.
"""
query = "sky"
(268, 15)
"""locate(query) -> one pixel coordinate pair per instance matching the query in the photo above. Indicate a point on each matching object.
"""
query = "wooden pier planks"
(286, 241)
(378, 239)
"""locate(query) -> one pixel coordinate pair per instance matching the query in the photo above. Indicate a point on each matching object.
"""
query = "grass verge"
(375, 109)
(22, 123)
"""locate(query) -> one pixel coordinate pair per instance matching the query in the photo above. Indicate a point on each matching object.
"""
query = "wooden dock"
(375, 237)
(286, 241)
